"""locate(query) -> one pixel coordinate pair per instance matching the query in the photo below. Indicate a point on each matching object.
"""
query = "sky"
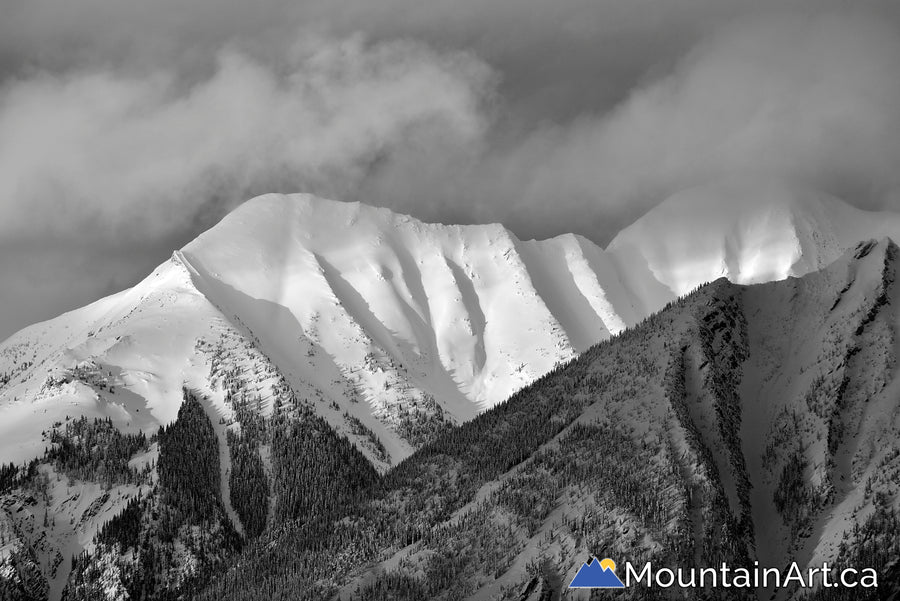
(127, 128)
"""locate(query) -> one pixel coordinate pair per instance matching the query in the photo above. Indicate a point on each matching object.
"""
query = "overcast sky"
(126, 127)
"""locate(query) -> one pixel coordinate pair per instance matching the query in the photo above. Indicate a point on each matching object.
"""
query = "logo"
(601, 573)
(597, 574)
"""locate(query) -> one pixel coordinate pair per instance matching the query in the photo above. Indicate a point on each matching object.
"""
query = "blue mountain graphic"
(591, 575)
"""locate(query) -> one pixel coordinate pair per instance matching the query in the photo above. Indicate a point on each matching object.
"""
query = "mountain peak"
(387, 329)
(748, 231)
(381, 316)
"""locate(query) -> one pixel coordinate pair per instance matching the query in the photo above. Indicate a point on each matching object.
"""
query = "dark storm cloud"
(813, 99)
(126, 124)
(556, 57)
(139, 155)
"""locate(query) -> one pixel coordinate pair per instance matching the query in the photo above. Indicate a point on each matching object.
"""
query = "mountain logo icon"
(597, 574)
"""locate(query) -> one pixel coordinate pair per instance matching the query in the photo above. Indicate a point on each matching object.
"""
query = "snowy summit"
(388, 326)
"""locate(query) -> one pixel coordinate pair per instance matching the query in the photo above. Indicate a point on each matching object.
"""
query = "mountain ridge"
(404, 316)
(293, 354)
(637, 449)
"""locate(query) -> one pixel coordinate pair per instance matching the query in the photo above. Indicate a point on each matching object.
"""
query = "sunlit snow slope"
(383, 323)
(749, 232)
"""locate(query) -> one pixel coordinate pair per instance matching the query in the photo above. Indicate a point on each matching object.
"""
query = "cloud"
(811, 98)
(437, 132)
(814, 99)
(99, 153)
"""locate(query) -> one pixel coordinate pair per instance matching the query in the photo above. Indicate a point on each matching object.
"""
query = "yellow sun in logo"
(608, 564)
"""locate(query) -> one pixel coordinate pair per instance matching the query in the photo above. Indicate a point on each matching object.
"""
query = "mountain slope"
(740, 424)
(326, 320)
(746, 231)
(365, 312)
(399, 324)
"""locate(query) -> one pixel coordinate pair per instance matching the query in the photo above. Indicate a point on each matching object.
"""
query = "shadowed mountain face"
(741, 423)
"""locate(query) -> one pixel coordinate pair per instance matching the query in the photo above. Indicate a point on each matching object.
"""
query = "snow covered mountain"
(373, 317)
(740, 424)
(389, 329)
(387, 325)
(746, 231)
